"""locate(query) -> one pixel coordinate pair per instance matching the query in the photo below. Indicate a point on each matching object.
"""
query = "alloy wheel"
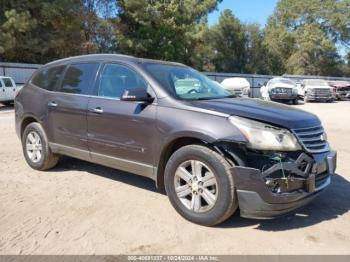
(34, 147)
(196, 186)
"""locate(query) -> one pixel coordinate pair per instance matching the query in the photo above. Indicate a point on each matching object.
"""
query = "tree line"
(300, 37)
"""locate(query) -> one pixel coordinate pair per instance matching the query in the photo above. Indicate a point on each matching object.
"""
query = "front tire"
(36, 148)
(199, 185)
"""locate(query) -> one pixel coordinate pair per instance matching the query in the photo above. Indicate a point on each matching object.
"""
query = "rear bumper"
(256, 200)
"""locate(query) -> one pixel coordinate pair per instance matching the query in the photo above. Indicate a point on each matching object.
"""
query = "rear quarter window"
(48, 78)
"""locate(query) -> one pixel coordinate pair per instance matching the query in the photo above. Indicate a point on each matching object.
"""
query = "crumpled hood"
(270, 112)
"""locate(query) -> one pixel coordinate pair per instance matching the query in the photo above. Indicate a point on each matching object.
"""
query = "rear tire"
(197, 204)
(295, 101)
(36, 148)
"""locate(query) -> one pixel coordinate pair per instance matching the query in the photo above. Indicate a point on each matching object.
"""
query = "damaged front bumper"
(284, 186)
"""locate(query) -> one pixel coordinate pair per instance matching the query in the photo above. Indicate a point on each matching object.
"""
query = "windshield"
(283, 81)
(316, 82)
(186, 83)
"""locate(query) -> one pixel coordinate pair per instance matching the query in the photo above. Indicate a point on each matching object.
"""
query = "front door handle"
(96, 110)
(52, 104)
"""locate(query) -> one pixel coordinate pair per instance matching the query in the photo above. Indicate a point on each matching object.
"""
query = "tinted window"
(0, 83)
(48, 78)
(78, 78)
(7, 82)
(116, 78)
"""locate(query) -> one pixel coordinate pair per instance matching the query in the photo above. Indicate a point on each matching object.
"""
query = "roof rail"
(82, 56)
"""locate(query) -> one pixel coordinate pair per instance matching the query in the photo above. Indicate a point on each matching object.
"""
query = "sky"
(246, 10)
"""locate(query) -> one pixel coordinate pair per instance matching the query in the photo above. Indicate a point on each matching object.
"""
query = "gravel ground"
(82, 208)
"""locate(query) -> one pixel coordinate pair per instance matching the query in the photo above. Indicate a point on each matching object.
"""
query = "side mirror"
(137, 95)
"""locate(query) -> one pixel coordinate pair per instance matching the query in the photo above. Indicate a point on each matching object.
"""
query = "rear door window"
(78, 78)
(48, 78)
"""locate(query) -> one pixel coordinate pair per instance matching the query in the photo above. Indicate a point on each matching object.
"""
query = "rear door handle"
(96, 110)
(52, 104)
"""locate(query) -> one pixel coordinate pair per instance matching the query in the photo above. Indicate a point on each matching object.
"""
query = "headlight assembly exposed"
(263, 136)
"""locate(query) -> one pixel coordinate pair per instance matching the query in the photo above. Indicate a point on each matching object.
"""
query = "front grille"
(322, 92)
(238, 92)
(282, 90)
(312, 139)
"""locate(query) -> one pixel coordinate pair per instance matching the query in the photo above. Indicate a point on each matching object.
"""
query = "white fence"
(18, 71)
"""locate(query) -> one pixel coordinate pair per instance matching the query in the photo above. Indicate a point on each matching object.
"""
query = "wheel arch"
(26, 121)
(176, 143)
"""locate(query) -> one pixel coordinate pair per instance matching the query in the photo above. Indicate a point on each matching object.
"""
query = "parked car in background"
(8, 90)
(317, 90)
(237, 85)
(280, 89)
(341, 89)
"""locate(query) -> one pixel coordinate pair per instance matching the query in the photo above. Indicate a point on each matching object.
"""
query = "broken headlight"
(263, 136)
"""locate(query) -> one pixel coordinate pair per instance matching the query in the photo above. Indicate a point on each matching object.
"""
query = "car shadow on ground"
(68, 164)
(331, 204)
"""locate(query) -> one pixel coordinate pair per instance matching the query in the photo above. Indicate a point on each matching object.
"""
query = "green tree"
(98, 18)
(301, 36)
(166, 30)
(228, 43)
(279, 43)
(316, 54)
(256, 58)
(13, 27)
(40, 31)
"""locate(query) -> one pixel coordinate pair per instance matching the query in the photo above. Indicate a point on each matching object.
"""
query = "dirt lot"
(82, 208)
